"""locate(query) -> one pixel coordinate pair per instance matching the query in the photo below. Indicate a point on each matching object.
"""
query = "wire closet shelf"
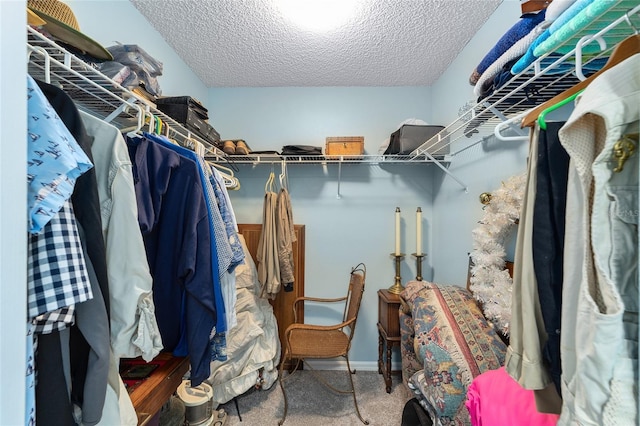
(548, 76)
(95, 93)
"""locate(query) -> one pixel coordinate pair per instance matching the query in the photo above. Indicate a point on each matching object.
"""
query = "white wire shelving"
(97, 94)
(548, 76)
(545, 78)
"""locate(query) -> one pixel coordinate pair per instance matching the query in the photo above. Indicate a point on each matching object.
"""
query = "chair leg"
(235, 401)
(353, 392)
(284, 394)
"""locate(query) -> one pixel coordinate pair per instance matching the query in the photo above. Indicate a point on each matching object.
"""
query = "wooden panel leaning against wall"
(283, 303)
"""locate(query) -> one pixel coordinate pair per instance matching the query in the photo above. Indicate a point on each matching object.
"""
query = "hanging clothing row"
(132, 250)
(574, 330)
(187, 242)
(67, 250)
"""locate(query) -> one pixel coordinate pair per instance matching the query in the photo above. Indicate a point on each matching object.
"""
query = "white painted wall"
(13, 212)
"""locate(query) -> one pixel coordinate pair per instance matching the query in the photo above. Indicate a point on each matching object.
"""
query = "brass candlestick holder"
(397, 287)
(419, 258)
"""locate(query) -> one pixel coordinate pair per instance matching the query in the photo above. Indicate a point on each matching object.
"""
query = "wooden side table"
(388, 331)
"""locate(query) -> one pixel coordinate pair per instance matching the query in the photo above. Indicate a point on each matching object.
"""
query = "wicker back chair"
(305, 341)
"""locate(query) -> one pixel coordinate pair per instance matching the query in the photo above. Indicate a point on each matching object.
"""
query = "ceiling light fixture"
(318, 15)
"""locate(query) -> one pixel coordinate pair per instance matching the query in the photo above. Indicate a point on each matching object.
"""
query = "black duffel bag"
(410, 136)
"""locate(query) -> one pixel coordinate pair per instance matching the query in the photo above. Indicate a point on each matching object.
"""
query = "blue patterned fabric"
(227, 218)
(30, 387)
(223, 248)
(55, 160)
(219, 347)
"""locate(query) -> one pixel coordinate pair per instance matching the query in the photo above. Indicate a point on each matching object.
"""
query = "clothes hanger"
(188, 143)
(47, 60)
(625, 49)
(235, 183)
(541, 119)
(229, 179)
(199, 148)
(158, 129)
(136, 131)
(232, 183)
(268, 187)
(222, 169)
(149, 118)
(283, 175)
(510, 123)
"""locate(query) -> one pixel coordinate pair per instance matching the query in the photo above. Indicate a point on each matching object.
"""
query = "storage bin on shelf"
(351, 147)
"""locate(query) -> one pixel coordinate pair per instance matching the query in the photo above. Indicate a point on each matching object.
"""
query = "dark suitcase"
(410, 136)
(191, 114)
(177, 107)
(201, 128)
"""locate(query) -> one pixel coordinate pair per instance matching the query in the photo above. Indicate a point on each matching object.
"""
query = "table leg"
(380, 343)
(387, 378)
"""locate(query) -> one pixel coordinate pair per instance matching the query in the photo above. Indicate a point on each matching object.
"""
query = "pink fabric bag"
(495, 399)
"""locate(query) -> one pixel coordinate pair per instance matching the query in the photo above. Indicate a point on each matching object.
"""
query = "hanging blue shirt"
(55, 160)
(227, 216)
(174, 221)
(220, 251)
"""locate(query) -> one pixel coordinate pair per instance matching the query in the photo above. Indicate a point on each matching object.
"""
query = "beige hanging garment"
(268, 264)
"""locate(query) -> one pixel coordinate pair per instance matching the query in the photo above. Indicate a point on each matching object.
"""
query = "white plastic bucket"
(198, 402)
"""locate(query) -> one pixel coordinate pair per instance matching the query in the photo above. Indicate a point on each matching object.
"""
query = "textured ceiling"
(250, 43)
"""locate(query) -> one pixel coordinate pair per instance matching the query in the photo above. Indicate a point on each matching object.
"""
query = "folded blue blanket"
(516, 32)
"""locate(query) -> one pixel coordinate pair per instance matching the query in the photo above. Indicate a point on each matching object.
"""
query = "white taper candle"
(419, 232)
(397, 231)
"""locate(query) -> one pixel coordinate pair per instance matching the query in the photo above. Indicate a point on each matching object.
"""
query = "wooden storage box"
(347, 146)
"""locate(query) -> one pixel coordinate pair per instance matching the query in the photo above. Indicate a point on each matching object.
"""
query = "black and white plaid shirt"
(57, 272)
(56, 320)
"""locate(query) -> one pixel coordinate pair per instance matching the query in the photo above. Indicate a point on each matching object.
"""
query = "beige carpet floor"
(312, 404)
